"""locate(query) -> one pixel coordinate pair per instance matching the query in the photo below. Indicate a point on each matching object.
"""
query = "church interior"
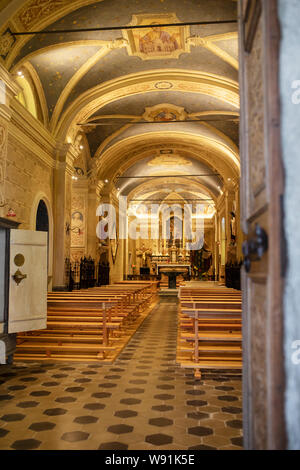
(113, 341)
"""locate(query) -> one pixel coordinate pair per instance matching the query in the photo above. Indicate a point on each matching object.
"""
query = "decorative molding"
(118, 43)
(7, 40)
(32, 134)
(39, 91)
(227, 147)
(218, 51)
(196, 41)
(3, 148)
(164, 112)
(91, 100)
(37, 15)
(82, 183)
(79, 216)
(5, 112)
(3, 140)
(216, 154)
(66, 155)
(208, 43)
(53, 47)
(36, 10)
(73, 82)
(11, 88)
(110, 138)
(195, 185)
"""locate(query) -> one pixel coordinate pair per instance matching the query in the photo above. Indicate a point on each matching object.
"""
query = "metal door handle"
(254, 248)
(18, 277)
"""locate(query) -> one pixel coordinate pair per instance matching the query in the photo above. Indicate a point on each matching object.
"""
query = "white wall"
(289, 13)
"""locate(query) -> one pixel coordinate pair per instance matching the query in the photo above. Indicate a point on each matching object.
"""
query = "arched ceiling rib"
(104, 76)
(214, 158)
(165, 166)
(85, 106)
(156, 191)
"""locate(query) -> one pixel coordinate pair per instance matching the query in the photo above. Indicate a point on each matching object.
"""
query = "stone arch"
(42, 197)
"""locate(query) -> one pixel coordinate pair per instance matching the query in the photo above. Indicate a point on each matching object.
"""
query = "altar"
(172, 270)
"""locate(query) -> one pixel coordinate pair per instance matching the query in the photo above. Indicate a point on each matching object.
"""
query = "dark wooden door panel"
(261, 189)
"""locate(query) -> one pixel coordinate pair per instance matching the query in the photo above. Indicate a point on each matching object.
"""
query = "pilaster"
(63, 173)
(8, 89)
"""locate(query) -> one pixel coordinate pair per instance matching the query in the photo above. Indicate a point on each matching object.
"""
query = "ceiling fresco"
(117, 62)
(45, 52)
(167, 163)
(84, 78)
(135, 106)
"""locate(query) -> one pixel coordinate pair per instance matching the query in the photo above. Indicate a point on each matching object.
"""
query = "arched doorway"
(42, 218)
(42, 223)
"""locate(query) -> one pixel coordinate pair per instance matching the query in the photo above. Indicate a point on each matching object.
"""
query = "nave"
(143, 401)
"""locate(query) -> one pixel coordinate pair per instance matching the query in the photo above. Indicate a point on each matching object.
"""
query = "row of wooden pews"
(210, 329)
(89, 325)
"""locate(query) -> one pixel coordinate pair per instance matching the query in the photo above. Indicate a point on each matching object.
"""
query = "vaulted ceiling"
(123, 89)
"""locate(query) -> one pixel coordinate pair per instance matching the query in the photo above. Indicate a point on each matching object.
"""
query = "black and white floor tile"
(142, 401)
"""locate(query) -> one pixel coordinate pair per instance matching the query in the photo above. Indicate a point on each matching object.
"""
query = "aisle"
(143, 401)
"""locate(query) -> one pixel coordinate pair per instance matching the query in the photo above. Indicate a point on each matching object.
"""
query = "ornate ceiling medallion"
(37, 10)
(157, 42)
(164, 112)
(163, 85)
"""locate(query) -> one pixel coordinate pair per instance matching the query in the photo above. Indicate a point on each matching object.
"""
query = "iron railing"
(85, 273)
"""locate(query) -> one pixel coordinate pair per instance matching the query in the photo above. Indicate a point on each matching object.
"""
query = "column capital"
(231, 186)
(99, 188)
(81, 183)
(93, 178)
(67, 154)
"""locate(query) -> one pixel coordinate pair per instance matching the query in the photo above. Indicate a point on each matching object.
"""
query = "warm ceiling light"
(81, 147)
(105, 181)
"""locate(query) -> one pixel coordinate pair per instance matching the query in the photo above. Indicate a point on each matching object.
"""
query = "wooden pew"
(210, 329)
(85, 325)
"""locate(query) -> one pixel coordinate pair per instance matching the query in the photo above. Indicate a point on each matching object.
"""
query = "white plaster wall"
(289, 13)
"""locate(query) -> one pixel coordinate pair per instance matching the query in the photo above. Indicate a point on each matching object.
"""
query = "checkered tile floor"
(142, 401)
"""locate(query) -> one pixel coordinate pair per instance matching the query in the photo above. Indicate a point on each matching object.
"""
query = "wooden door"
(27, 309)
(261, 196)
